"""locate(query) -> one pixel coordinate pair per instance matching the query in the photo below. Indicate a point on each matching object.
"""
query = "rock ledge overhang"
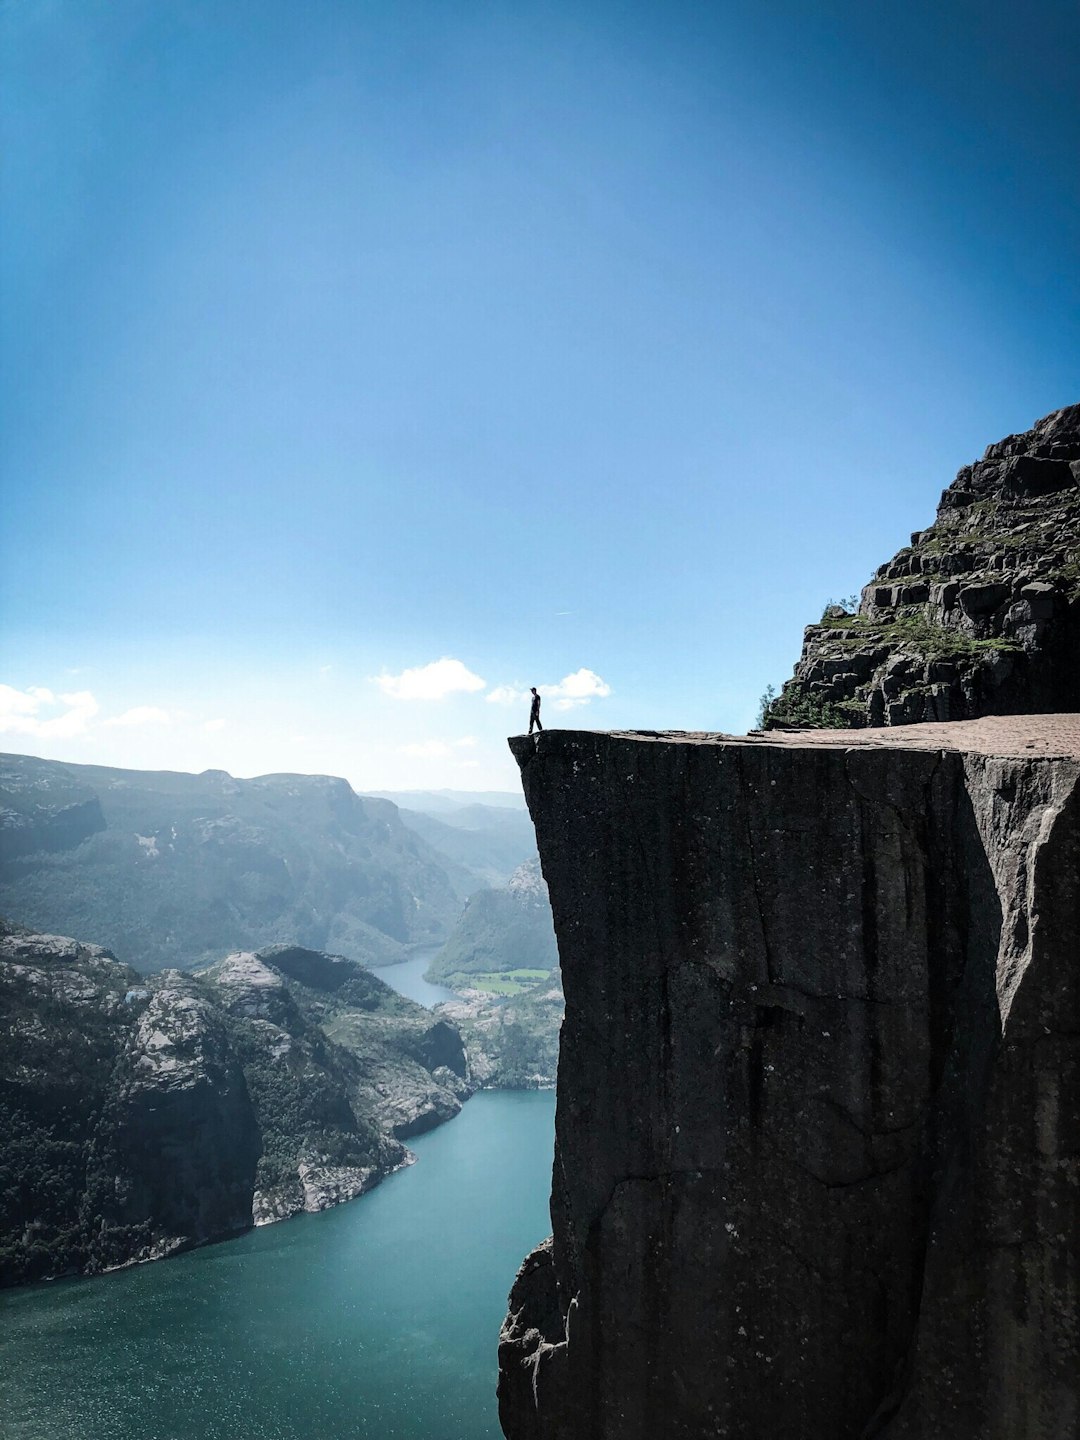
(817, 1147)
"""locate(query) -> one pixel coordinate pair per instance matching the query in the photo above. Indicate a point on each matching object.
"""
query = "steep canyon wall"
(817, 1163)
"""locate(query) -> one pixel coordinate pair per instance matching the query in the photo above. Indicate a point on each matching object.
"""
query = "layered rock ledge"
(817, 1164)
(979, 615)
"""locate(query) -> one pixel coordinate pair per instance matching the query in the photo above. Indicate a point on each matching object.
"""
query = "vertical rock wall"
(817, 1156)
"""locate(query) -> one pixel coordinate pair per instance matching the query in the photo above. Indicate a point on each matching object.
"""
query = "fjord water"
(379, 1318)
(407, 978)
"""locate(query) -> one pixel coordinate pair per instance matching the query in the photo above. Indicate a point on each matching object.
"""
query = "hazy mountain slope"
(501, 930)
(447, 803)
(490, 842)
(176, 868)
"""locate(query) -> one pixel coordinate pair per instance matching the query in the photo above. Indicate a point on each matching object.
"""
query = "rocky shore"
(146, 1114)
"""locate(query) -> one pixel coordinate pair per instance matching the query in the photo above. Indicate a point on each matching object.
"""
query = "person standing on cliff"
(534, 712)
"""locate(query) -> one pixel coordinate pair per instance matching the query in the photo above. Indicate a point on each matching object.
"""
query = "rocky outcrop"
(817, 1163)
(979, 615)
(140, 1116)
(512, 1042)
(128, 1130)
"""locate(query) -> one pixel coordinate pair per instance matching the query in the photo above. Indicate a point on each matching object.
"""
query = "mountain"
(979, 615)
(816, 1142)
(142, 1115)
(502, 961)
(449, 802)
(491, 842)
(175, 868)
(500, 932)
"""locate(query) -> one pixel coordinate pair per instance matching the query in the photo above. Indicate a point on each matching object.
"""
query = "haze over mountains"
(488, 841)
(210, 1035)
(170, 869)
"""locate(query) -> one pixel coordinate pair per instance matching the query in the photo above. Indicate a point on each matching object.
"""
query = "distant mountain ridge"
(490, 841)
(507, 929)
(175, 868)
(447, 802)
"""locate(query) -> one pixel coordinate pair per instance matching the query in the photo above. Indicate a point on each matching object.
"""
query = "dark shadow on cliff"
(994, 1338)
(964, 922)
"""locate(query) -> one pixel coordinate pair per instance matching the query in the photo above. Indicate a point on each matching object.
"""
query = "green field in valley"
(500, 982)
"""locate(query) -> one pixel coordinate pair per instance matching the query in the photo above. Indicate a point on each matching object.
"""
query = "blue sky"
(587, 346)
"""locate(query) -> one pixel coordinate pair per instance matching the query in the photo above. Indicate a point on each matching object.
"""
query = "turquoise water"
(379, 1318)
(408, 979)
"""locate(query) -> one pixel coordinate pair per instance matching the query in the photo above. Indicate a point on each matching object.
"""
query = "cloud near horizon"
(572, 690)
(430, 682)
(21, 712)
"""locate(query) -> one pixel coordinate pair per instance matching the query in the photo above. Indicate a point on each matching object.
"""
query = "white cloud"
(21, 712)
(506, 695)
(572, 690)
(430, 682)
(141, 715)
(580, 688)
(209, 726)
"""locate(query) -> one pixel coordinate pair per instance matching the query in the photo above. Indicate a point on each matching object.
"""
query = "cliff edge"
(817, 1166)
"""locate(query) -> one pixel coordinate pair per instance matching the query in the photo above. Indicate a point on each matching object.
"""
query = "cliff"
(817, 1164)
(979, 615)
(144, 1115)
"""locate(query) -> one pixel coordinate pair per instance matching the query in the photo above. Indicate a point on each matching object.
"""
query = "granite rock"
(992, 588)
(816, 1167)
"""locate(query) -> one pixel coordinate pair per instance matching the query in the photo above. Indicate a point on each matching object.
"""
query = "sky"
(364, 364)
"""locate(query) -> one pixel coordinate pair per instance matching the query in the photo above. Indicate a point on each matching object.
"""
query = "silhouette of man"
(534, 712)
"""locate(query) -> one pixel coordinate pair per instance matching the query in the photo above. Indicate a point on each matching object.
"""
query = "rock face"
(979, 615)
(817, 1163)
(176, 868)
(140, 1116)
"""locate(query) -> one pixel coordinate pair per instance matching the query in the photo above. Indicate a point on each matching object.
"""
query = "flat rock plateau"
(817, 1158)
(817, 1163)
